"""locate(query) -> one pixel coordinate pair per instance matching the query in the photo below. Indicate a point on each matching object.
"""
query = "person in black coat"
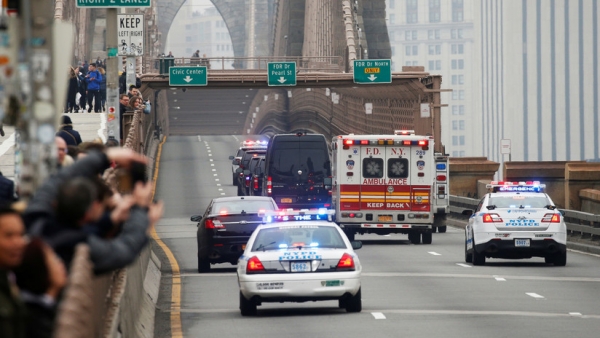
(70, 135)
(72, 92)
(7, 190)
(82, 89)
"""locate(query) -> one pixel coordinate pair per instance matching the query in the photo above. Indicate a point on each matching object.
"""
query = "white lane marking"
(216, 179)
(208, 150)
(584, 253)
(222, 193)
(434, 253)
(575, 313)
(211, 159)
(212, 164)
(500, 279)
(199, 138)
(218, 184)
(534, 295)
(102, 128)
(378, 315)
(235, 138)
(7, 144)
(463, 265)
(209, 154)
(214, 174)
(220, 189)
(214, 170)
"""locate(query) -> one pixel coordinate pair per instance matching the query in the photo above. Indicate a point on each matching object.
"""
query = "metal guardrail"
(333, 64)
(90, 306)
(583, 224)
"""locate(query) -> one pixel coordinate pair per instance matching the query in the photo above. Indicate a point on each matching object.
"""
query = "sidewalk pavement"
(89, 125)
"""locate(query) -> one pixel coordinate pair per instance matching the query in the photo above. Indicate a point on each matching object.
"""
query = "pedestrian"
(195, 57)
(133, 91)
(72, 91)
(205, 61)
(62, 159)
(136, 103)
(103, 88)
(170, 55)
(66, 131)
(93, 79)
(69, 205)
(7, 190)
(123, 108)
(82, 90)
(31, 279)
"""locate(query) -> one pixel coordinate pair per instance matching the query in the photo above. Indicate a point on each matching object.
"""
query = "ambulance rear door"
(398, 174)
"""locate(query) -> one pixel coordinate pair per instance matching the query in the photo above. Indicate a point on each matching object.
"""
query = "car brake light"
(213, 223)
(254, 265)
(491, 218)
(346, 262)
(269, 186)
(552, 218)
(255, 181)
(441, 177)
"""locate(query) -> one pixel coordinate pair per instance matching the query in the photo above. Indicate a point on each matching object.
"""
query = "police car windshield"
(519, 201)
(300, 237)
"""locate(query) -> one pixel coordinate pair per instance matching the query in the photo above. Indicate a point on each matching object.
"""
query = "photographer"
(68, 207)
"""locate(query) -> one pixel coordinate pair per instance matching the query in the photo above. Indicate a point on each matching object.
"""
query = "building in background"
(438, 34)
(198, 26)
(537, 73)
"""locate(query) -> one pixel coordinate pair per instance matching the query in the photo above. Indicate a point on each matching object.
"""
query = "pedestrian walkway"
(90, 125)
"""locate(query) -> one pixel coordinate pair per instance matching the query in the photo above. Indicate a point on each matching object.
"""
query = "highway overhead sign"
(281, 73)
(130, 31)
(372, 71)
(113, 3)
(187, 76)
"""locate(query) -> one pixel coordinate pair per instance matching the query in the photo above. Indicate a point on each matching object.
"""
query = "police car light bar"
(250, 143)
(529, 186)
(290, 215)
(404, 132)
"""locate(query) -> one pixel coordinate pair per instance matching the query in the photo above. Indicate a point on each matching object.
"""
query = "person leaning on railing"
(67, 208)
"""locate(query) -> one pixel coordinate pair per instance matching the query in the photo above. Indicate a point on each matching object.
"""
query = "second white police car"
(299, 256)
(516, 220)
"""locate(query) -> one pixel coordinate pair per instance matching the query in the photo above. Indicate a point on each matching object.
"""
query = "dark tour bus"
(298, 171)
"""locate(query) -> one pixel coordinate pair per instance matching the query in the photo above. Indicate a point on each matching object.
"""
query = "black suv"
(298, 171)
(244, 171)
(258, 175)
(226, 226)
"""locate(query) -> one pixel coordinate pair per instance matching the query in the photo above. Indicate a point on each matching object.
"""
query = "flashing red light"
(269, 186)
(491, 218)
(423, 143)
(348, 142)
(406, 142)
(254, 265)
(346, 262)
(552, 218)
(364, 142)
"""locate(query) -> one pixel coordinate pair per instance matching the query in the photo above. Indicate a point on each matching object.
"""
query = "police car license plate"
(302, 266)
(522, 242)
(286, 200)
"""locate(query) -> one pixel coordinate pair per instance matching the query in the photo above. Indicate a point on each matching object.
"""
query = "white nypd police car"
(516, 220)
(299, 256)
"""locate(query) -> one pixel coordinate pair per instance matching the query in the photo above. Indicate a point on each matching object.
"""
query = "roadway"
(408, 290)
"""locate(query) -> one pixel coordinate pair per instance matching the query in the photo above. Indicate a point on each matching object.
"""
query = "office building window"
(412, 50)
(461, 153)
(457, 48)
(458, 79)
(188, 39)
(461, 124)
(458, 109)
(433, 34)
(408, 63)
(458, 94)
(415, 63)
(392, 19)
(457, 10)
(410, 35)
(435, 65)
(455, 153)
(434, 11)
(461, 140)
(457, 33)
(435, 49)
(393, 50)
(412, 11)
(458, 64)
(455, 125)
(392, 3)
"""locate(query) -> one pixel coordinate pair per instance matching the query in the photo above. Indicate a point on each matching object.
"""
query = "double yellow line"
(176, 330)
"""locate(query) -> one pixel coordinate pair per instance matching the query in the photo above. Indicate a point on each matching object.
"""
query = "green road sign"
(113, 3)
(281, 73)
(372, 71)
(187, 76)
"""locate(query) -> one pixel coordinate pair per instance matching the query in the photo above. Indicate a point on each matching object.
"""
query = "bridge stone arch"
(238, 17)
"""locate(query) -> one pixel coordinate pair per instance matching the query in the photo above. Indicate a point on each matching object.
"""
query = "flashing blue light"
(269, 219)
(283, 246)
(322, 211)
(314, 244)
(440, 166)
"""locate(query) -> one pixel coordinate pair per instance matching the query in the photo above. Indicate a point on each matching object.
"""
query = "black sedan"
(226, 226)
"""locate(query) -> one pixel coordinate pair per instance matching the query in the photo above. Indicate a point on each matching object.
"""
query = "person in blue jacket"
(94, 81)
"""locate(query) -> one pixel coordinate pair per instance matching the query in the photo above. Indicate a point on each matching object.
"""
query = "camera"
(127, 179)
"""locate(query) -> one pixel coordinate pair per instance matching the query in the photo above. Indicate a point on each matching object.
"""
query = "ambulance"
(386, 184)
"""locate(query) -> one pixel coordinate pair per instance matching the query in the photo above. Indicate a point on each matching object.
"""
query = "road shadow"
(384, 241)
